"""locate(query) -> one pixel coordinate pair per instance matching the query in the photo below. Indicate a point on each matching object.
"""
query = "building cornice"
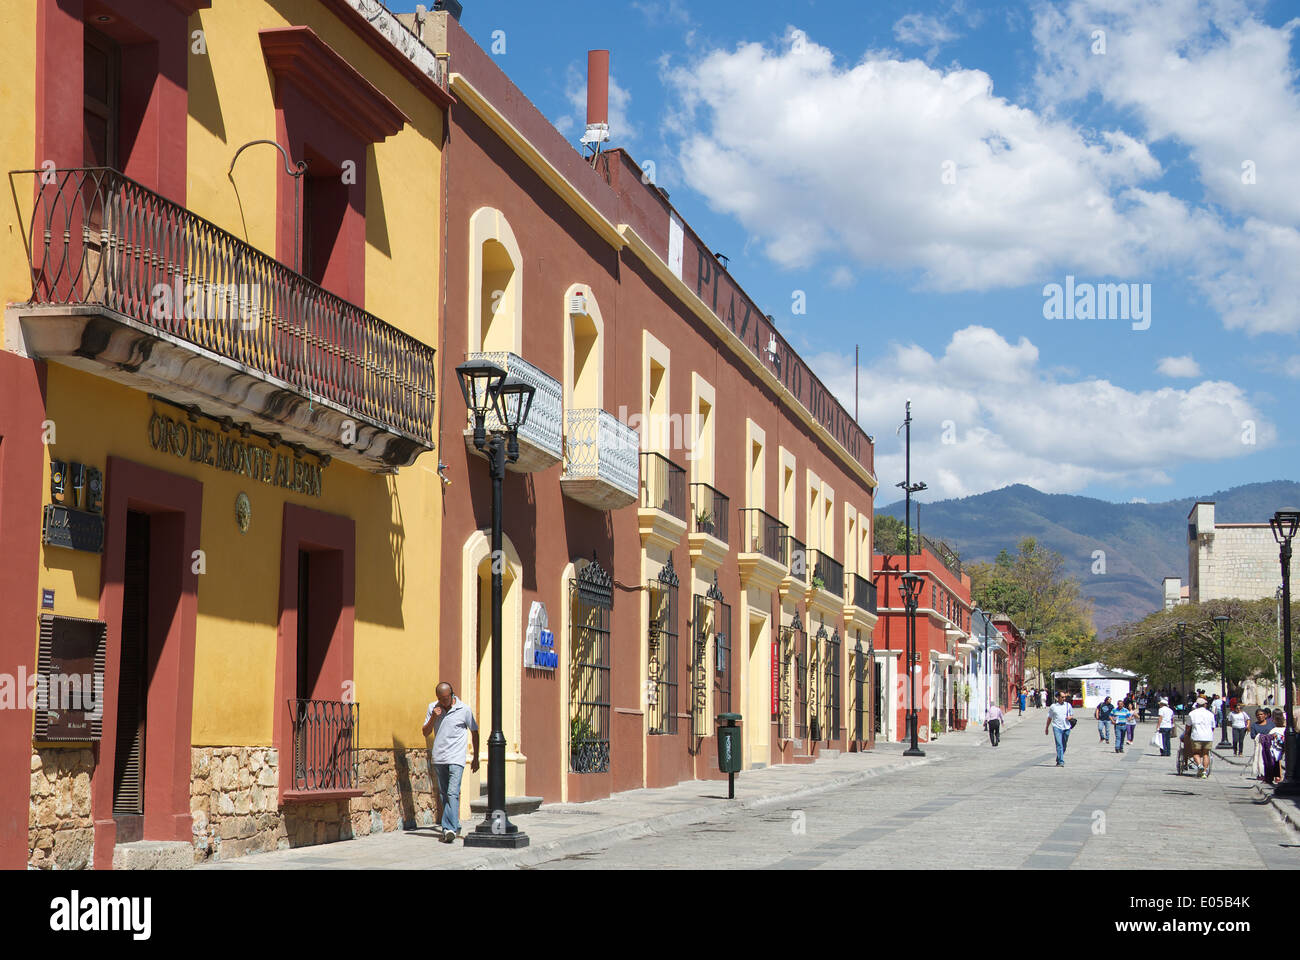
(665, 275)
(527, 151)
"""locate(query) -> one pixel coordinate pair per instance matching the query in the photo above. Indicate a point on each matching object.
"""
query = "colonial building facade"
(219, 507)
(690, 513)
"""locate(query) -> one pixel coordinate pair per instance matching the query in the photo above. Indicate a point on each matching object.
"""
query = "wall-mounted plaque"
(70, 679)
(73, 529)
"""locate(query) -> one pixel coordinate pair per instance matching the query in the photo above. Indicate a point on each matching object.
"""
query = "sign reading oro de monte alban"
(234, 454)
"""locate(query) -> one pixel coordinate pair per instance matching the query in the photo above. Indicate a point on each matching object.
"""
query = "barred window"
(591, 598)
(661, 689)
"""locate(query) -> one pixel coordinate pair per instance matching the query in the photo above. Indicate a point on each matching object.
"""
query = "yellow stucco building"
(219, 489)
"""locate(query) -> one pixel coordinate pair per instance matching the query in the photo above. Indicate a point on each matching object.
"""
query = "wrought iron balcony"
(829, 571)
(129, 285)
(541, 442)
(325, 745)
(763, 534)
(710, 510)
(663, 485)
(864, 594)
(600, 459)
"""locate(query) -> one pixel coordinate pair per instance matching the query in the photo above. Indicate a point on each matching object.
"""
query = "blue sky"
(923, 171)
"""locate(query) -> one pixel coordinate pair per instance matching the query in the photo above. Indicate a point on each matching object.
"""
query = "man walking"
(1166, 725)
(1102, 713)
(1059, 716)
(1120, 715)
(454, 722)
(994, 723)
(1199, 736)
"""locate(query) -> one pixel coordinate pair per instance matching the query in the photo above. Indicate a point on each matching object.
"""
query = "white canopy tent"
(1097, 681)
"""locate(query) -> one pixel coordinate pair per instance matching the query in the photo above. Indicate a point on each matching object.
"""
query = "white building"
(1225, 560)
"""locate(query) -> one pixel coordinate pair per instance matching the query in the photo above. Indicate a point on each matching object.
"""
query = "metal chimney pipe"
(597, 87)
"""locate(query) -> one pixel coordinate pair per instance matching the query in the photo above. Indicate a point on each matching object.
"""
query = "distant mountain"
(1143, 542)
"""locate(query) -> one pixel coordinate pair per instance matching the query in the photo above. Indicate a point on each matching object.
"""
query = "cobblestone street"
(1008, 807)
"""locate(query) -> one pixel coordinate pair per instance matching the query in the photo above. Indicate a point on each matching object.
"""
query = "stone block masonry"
(60, 831)
(234, 799)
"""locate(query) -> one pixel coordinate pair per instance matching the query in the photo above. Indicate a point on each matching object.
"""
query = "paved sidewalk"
(558, 830)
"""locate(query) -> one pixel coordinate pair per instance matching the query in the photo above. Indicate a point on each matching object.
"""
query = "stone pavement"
(965, 804)
(557, 830)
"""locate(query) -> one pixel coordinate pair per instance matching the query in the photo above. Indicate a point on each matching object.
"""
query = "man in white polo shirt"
(454, 722)
(1059, 716)
(1199, 736)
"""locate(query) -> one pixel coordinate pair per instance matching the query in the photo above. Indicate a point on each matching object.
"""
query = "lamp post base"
(483, 836)
(914, 752)
(1287, 788)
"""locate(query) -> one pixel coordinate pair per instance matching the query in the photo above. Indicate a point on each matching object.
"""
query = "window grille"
(591, 598)
(662, 687)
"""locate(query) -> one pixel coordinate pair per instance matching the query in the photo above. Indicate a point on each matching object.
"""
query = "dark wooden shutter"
(132, 684)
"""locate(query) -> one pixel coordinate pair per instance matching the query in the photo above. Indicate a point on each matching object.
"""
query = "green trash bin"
(729, 755)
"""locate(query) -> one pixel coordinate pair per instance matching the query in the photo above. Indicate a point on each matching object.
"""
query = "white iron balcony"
(541, 444)
(600, 459)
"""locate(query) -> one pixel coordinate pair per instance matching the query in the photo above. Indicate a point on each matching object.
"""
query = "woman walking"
(1262, 724)
(1271, 744)
(1240, 720)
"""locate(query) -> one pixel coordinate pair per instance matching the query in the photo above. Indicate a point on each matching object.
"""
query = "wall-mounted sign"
(47, 599)
(539, 642)
(70, 679)
(235, 454)
(73, 529)
(776, 675)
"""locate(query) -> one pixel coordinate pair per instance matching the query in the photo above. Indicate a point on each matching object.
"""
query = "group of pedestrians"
(1269, 733)
(1124, 717)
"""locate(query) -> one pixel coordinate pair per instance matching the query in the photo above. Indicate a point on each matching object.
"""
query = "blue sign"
(544, 656)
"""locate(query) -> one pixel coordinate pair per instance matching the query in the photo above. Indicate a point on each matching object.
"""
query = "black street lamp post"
(910, 588)
(486, 387)
(1182, 663)
(1284, 524)
(1221, 622)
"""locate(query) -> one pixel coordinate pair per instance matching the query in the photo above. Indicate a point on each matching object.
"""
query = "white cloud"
(1015, 422)
(923, 30)
(621, 130)
(842, 278)
(1184, 366)
(898, 165)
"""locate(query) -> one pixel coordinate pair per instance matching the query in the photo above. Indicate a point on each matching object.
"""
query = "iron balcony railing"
(99, 238)
(597, 446)
(763, 533)
(663, 485)
(325, 739)
(797, 558)
(864, 594)
(544, 427)
(945, 554)
(829, 571)
(711, 510)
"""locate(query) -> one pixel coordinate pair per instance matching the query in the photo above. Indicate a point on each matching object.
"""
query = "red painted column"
(22, 456)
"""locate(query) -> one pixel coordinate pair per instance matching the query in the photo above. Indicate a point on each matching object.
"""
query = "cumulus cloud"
(1012, 421)
(1184, 366)
(898, 165)
(923, 30)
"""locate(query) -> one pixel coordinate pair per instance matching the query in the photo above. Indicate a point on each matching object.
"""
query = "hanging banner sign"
(775, 678)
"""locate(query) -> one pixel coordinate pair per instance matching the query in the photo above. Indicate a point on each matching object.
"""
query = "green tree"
(1150, 647)
(1031, 587)
(891, 535)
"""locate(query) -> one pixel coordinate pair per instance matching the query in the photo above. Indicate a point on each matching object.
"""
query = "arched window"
(496, 285)
(584, 350)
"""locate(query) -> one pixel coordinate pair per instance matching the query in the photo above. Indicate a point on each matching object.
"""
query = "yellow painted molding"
(536, 160)
(664, 273)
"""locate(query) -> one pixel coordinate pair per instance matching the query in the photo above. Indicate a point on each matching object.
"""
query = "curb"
(607, 837)
(1291, 816)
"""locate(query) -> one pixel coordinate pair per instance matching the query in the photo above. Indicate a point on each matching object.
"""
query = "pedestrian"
(1132, 718)
(455, 728)
(994, 724)
(1060, 720)
(1021, 702)
(1166, 725)
(1240, 720)
(1142, 707)
(1273, 742)
(1262, 724)
(1268, 701)
(1120, 717)
(1198, 735)
(1102, 715)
